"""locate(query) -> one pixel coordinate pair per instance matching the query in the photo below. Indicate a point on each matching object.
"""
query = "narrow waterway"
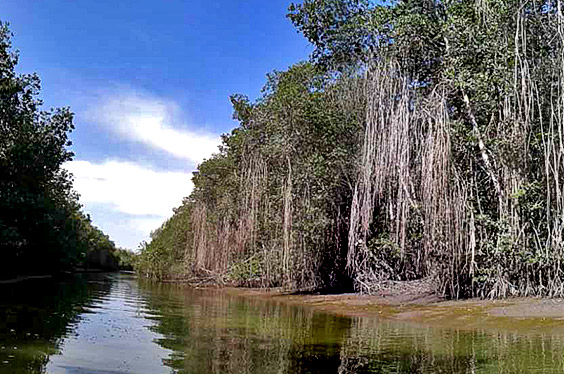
(118, 324)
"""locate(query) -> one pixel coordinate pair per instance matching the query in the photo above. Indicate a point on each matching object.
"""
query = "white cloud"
(128, 200)
(145, 225)
(130, 188)
(154, 122)
(125, 230)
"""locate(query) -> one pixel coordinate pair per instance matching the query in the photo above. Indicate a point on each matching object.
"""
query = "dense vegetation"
(42, 227)
(422, 141)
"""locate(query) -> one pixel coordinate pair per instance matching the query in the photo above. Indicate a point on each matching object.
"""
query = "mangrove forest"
(43, 229)
(422, 141)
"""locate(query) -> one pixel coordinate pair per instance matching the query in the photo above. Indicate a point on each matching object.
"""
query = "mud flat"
(524, 315)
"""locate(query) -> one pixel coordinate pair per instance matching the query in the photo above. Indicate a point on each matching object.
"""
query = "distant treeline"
(423, 140)
(42, 227)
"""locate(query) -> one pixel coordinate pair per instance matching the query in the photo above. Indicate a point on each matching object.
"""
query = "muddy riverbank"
(523, 315)
(118, 323)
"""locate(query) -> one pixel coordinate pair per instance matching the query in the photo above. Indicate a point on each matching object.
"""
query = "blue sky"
(149, 83)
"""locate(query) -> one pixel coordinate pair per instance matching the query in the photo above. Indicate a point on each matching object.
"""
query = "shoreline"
(23, 278)
(521, 315)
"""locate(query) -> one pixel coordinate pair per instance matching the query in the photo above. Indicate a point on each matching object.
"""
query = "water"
(116, 324)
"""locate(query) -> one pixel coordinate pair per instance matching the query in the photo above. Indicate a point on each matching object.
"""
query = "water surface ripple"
(115, 323)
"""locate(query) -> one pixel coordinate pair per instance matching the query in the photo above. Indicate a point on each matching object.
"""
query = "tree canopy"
(42, 227)
(422, 141)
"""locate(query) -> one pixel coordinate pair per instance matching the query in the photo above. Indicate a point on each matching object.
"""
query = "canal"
(116, 323)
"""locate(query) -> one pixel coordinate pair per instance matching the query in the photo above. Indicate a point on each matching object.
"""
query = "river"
(116, 323)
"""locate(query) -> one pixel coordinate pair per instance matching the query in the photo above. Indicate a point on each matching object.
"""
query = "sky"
(149, 83)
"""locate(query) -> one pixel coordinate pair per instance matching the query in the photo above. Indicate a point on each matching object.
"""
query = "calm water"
(105, 324)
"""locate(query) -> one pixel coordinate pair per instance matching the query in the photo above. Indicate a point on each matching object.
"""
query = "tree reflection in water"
(213, 332)
(35, 315)
(171, 328)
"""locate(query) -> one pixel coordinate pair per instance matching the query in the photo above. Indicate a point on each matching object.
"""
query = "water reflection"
(116, 324)
(115, 337)
(387, 347)
(211, 332)
(36, 314)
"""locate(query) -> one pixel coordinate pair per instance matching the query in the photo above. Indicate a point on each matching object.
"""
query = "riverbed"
(116, 324)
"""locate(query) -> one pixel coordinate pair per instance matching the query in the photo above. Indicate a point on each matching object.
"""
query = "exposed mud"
(523, 315)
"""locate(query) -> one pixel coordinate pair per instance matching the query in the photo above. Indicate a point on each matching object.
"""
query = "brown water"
(118, 324)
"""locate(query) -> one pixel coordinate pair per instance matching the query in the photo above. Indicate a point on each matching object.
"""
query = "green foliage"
(340, 30)
(163, 257)
(125, 258)
(386, 256)
(246, 273)
(42, 229)
(449, 111)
